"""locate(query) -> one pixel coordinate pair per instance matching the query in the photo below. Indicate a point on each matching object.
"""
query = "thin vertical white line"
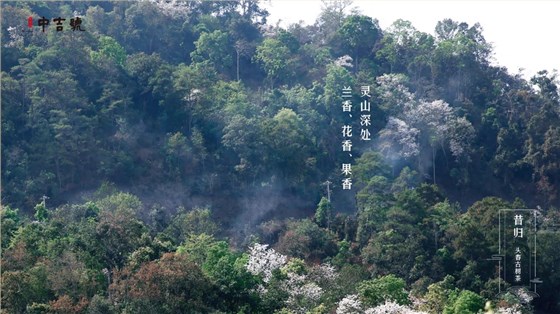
(500, 271)
(535, 240)
(500, 249)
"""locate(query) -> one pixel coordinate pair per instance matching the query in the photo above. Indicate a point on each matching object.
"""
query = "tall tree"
(215, 48)
(274, 57)
(359, 34)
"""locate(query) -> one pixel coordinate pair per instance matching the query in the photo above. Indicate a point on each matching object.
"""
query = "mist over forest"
(185, 157)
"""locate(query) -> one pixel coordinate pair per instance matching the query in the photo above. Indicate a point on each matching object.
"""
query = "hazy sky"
(524, 34)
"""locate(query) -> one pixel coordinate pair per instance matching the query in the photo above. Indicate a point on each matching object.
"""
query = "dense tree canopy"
(185, 157)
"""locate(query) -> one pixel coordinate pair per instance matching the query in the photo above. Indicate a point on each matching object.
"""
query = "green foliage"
(359, 30)
(119, 231)
(374, 201)
(304, 239)
(347, 282)
(405, 48)
(177, 151)
(191, 223)
(10, 221)
(99, 305)
(289, 40)
(439, 295)
(296, 266)
(111, 49)
(196, 247)
(323, 214)
(321, 309)
(387, 288)
(120, 202)
(407, 179)
(547, 247)
(369, 164)
(227, 271)
(168, 285)
(272, 54)
(359, 34)
(402, 243)
(213, 47)
(168, 101)
(336, 79)
(284, 311)
(467, 302)
(39, 308)
(22, 288)
(287, 146)
(230, 99)
(476, 232)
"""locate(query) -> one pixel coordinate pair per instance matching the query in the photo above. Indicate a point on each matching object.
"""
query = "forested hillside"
(149, 158)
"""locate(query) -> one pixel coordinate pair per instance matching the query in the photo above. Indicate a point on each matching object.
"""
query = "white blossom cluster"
(323, 272)
(417, 121)
(173, 8)
(344, 61)
(302, 292)
(435, 115)
(398, 131)
(390, 307)
(511, 310)
(298, 285)
(16, 38)
(438, 119)
(462, 130)
(310, 291)
(350, 304)
(294, 281)
(263, 261)
(393, 93)
(524, 296)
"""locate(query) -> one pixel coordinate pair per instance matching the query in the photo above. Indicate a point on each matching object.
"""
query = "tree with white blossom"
(515, 309)
(399, 139)
(390, 307)
(300, 284)
(173, 8)
(263, 261)
(303, 294)
(393, 94)
(350, 304)
(323, 272)
(344, 61)
(16, 38)
(510, 310)
(420, 128)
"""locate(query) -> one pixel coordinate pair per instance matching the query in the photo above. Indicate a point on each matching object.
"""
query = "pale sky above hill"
(524, 34)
